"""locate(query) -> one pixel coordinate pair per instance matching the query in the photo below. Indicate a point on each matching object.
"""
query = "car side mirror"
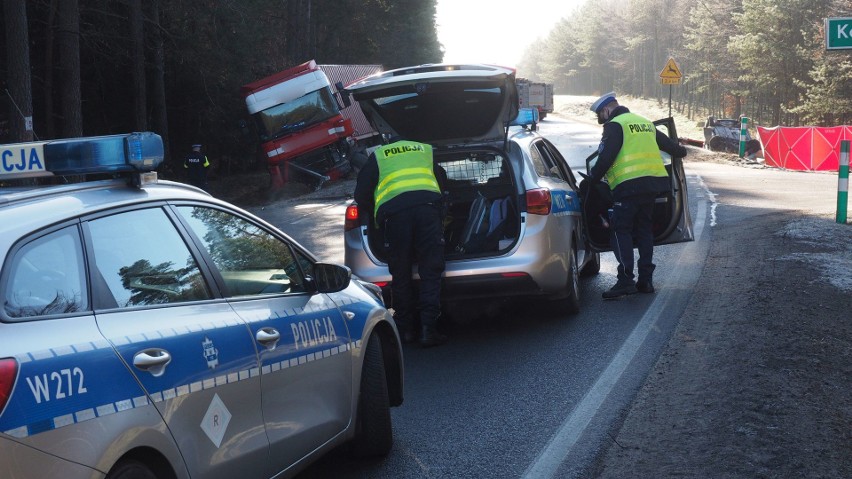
(344, 96)
(331, 278)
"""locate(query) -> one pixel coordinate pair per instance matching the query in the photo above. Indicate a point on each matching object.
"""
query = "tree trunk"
(18, 71)
(49, 113)
(137, 41)
(69, 61)
(158, 83)
(298, 32)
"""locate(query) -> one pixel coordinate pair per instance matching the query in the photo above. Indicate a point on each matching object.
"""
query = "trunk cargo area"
(481, 207)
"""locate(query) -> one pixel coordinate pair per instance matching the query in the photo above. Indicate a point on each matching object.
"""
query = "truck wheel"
(373, 430)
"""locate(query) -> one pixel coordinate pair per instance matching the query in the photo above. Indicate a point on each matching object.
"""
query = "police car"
(518, 222)
(150, 330)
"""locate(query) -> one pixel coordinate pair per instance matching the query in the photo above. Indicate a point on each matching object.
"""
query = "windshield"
(283, 119)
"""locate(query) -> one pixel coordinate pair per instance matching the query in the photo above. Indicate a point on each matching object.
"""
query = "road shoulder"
(754, 381)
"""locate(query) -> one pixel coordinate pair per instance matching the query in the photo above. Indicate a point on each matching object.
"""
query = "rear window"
(47, 277)
(438, 112)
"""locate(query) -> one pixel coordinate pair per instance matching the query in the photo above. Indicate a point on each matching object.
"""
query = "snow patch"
(820, 232)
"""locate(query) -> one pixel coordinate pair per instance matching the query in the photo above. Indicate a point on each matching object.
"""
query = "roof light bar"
(526, 116)
(132, 152)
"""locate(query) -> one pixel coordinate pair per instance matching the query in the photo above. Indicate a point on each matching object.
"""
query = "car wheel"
(570, 303)
(131, 469)
(592, 267)
(373, 431)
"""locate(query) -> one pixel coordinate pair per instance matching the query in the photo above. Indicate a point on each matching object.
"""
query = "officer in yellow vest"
(398, 185)
(629, 158)
(196, 165)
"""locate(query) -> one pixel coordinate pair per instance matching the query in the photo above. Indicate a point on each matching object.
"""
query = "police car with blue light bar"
(151, 330)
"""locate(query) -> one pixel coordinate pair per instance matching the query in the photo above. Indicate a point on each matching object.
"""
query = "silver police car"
(150, 330)
(518, 223)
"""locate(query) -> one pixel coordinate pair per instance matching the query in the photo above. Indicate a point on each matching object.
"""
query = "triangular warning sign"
(671, 70)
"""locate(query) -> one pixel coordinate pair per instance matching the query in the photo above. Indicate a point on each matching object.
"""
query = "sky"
(496, 31)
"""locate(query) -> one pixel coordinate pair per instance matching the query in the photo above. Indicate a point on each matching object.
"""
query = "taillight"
(8, 372)
(351, 221)
(538, 201)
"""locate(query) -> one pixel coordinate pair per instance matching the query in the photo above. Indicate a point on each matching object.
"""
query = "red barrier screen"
(807, 148)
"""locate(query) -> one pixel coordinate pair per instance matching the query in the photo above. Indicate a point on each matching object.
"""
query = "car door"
(191, 353)
(672, 221)
(302, 337)
(567, 201)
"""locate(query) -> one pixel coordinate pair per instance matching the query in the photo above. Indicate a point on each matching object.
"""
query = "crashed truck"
(723, 134)
(305, 133)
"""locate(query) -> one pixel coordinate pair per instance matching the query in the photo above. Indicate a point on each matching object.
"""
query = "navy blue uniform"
(412, 227)
(196, 169)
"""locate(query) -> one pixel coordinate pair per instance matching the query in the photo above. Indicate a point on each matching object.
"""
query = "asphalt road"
(520, 392)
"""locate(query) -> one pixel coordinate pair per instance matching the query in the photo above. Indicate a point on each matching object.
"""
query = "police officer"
(398, 184)
(196, 165)
(629, 158)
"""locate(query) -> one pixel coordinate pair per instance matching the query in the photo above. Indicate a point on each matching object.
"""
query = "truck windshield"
(283, 119)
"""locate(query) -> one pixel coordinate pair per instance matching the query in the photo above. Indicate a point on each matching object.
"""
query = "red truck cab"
(297, 117)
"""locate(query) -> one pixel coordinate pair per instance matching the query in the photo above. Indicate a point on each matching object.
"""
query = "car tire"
(373, 430)
(570, 303)
(131, 469)
(592, 267)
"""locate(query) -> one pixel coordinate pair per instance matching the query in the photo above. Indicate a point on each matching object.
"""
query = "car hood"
(440, 104)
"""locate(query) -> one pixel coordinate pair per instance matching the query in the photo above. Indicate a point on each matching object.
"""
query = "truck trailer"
(304, 130)
(536, 95)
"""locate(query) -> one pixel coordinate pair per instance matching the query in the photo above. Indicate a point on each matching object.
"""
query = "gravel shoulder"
(755, 379)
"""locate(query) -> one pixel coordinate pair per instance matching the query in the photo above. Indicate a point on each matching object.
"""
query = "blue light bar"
(526, 116)
(133, 152)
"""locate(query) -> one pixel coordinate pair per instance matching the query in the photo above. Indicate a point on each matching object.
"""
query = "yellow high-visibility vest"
(639, 155)
(403, 166)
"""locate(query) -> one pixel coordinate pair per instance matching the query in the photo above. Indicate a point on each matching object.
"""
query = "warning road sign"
(671, 71)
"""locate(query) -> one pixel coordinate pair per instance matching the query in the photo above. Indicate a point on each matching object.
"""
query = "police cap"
(602, 101)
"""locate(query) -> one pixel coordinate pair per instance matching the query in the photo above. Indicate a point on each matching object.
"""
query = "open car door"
(672, 221)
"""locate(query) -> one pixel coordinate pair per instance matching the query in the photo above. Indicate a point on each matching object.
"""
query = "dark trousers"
(415, 233)
(197, 176)
(632, 218)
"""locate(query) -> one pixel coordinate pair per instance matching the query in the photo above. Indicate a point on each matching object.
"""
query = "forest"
(95, 67)
(765, 59)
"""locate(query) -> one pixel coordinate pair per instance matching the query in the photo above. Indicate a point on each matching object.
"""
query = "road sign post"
(843, 182)
(670, 75)
(838, 33)
(743, 132)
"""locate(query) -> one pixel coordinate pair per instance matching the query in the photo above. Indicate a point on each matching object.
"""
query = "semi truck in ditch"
(306, 133)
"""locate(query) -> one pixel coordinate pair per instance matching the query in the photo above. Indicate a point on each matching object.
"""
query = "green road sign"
(838, 33)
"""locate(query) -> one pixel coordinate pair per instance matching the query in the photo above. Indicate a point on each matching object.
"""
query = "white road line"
(319, 209)
(561, 444)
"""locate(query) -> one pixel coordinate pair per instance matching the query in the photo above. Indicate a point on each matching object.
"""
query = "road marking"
(561, 444)
(319, 209)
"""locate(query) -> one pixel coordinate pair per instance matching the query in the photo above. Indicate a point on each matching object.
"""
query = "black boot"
(621, 288)
(431, 337)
